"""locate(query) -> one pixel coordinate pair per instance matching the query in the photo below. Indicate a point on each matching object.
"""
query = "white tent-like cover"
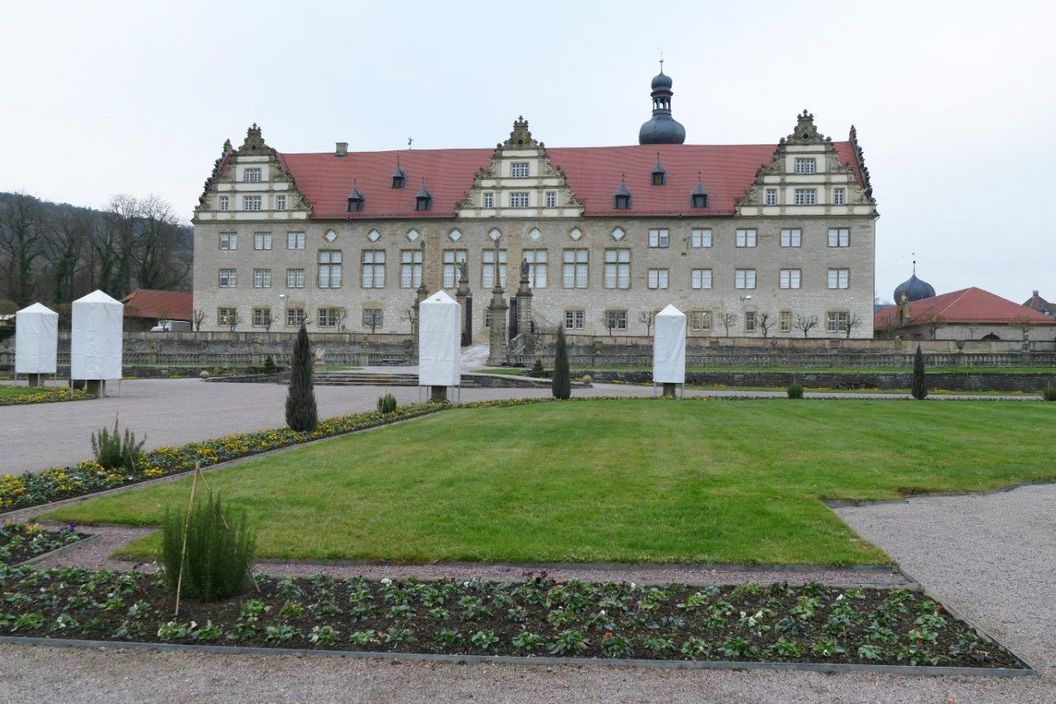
(96, 343)
(439, 339)
(669, 347)
(36, 340)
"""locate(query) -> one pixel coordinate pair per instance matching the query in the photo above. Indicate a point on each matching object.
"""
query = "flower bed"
(29, 395)
(776, 623)
(21, 542)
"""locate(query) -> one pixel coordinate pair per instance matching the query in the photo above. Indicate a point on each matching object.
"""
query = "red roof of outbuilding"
(161, 305)
(967, 306)
(593, 173)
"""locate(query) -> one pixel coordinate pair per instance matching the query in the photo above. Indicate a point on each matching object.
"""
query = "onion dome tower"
(661, 127)
(913, 289)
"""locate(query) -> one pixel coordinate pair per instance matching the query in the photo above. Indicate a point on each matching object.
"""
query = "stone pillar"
(524, 311)
(669, 390)
(464, 296)
(497, 334)
(35, 379)
(437, 394)
(420, 295)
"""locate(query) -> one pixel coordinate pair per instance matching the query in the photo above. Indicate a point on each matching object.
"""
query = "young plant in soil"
(20, 542)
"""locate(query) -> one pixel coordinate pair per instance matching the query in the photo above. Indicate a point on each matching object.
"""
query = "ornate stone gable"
(254, 144)
(519, 181)
(781, 177)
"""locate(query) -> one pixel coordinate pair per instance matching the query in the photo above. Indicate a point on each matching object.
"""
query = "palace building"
(771, 240)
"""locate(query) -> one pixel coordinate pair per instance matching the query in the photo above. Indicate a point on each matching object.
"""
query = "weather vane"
(410, 142)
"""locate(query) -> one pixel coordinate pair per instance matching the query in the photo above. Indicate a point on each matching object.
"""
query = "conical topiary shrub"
(301, 413)
(920, 384)
(561, 383)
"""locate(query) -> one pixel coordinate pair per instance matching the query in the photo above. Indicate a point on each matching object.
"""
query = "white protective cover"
(439, 340)
(36, 340)
(95, 347)
(669, 347)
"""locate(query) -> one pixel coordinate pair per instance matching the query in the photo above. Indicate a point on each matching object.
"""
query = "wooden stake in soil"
(186, 529)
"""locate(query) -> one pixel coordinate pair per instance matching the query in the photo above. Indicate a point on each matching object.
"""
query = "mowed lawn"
(628, 481)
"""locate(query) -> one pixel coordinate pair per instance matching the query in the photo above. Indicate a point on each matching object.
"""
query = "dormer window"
(699, 197)
(399, 179)
(423, 200)
(355, 200)
(622, 199)
(659, 174)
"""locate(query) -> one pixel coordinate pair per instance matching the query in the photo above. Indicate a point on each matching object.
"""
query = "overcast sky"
(955, 103)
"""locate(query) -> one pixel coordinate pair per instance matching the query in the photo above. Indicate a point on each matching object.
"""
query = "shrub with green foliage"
(301, 412)
(795, 391)
(537, 371)
(220, 551)
(387, 403)
(114, 450)
(269, 366)
(920, 384)
(1049, 393)
(561, 382)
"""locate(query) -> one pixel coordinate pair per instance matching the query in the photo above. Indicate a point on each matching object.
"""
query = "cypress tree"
(920, 386)
(301, 414)
(560, 383)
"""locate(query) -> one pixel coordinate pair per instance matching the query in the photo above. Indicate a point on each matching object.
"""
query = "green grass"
(12, 391)
(629, 481)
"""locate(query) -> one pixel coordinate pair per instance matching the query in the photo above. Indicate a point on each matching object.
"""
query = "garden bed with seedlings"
(541, 618)
(20, 542)
(22, 395)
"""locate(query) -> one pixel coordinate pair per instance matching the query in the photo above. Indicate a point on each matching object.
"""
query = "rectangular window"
(839, 278)
(749, 321)
(410, 268)
(839, 196)
(791, 237)
(330, 317)
(262, 278)
(295, 317)
(519, 169)
(294, 240)
(536, 259)
(228, 240)
(744, 278)
(452, 258)
(488, 200)
(839, 237)
(806, 165)
(225, 316)
(701, 278)
(329, 268)
(700, 238)
(790, 278)
(252, 175)
(223, 203)
(228, 278)
(771, 196)
(785, 321)
(618, 268)
(658, 278)
(700, 320)
(372, 318)
(574, 273)
(551, 199)
(746, 238)
(519, 199)
(616, 319)
(262, 317)
(658, 238)
(295, 278)
(837, 321)
(280, 202)
(487, 268)
(806, 196)
(574, 319)
(261, 240)
(372, 274)
(250, 202)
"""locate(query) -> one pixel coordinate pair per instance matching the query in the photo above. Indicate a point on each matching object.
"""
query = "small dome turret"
(913, 289)
(661, 128)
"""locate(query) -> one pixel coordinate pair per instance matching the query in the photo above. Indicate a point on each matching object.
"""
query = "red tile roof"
(160, 305)
(1039, 304)
(967, 306)
(727, 172)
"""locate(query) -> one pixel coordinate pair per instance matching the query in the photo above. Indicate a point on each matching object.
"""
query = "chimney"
(341, 149)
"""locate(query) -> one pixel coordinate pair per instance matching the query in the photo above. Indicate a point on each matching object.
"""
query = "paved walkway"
(178, 411)
(990, 556)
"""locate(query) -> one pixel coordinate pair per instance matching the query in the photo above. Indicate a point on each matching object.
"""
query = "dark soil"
(19, 543)
(776, 623)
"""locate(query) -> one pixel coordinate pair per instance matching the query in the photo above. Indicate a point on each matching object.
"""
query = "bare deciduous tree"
(20, 245)
(648, 319)
(806, 323)
(765, 324)
(726, 319)
(198, 317)
(853, 321)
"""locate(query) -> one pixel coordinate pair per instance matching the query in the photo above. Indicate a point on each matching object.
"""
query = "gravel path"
(991, 557)
(178, 411)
